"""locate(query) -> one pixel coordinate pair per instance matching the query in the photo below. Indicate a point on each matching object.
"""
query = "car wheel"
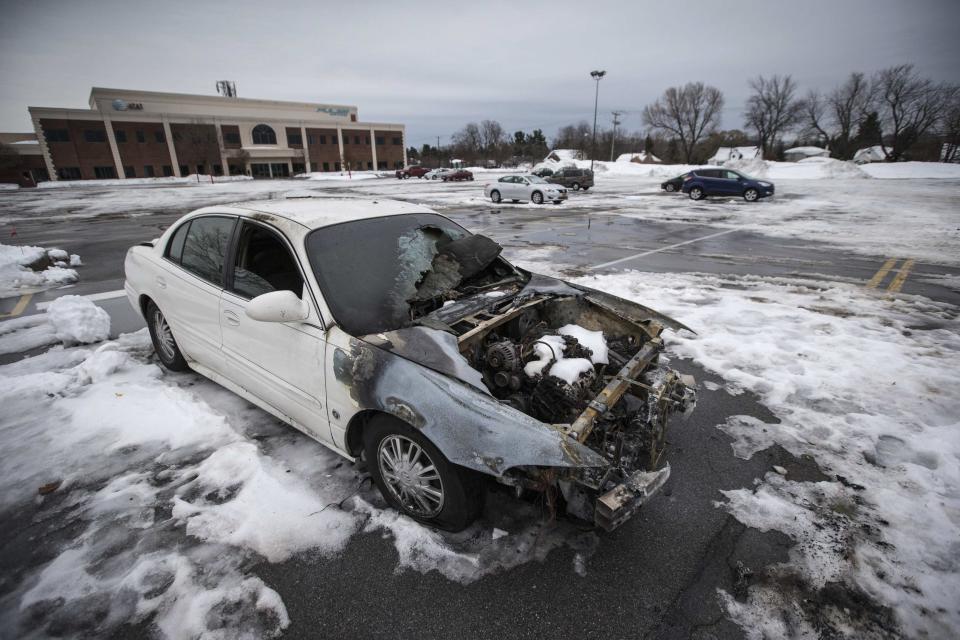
(750, 195)
(417, 480)
(696, 193)
(163, 341)
(584, 188)
(536, 198)
(669, 188)
(495, 196)
(433, 177)
(444, 179)
(514, 201)
(575, 186)
(557, 201)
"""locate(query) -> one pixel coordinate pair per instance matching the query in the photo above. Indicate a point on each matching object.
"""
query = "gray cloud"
(435, 66)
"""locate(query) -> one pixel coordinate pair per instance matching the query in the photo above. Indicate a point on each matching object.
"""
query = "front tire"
(536, 198)
(751, 195)
(575, 186)
(417, 480)
(696, 193)
(163, 341)
(495, 196)
(669, 188)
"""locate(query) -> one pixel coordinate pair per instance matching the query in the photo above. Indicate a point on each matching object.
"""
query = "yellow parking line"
(19, 307)
(880, 275)
(901, 276)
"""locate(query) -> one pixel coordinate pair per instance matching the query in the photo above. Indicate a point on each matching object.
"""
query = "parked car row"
(569, 177)
(434, 174)
(717, 181)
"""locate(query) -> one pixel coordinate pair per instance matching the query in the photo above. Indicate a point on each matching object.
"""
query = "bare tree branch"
(689, 113)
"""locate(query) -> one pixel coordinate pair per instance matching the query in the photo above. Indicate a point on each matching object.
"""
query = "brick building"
(144, 134)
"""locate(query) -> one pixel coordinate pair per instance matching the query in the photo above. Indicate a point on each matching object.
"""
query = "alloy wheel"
(410, 475)
(165, 341)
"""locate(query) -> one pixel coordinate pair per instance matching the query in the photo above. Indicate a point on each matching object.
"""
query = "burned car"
(398, 339)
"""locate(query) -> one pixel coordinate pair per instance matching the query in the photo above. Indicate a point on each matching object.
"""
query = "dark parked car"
(458, 174)
(674, 184)
(701, 183)
(570, 177)
(411, 172)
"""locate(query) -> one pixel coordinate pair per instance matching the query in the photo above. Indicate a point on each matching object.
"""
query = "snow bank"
(335, 175)
(867, 386)
(134, 182)
(70, 320)
(806, 169)
(8, 186)
(26, 268)
(906, 170)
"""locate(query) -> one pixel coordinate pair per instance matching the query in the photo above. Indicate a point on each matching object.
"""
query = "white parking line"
(652, 251)
(93, 297)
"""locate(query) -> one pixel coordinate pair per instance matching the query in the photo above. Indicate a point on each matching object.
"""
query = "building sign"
(123, 105)
(334, 111)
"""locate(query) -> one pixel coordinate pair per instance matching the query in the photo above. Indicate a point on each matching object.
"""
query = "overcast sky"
(436, 65)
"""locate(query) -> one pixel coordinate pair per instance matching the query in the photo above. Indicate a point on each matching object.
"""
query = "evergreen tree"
(869, 132)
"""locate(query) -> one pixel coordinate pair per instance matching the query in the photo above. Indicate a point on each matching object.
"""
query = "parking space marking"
(653, 251)
(93, 297)
(19, 307)
(901, 277)
(881, 274)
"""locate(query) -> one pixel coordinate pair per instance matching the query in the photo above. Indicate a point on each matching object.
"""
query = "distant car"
(459, 174)
(436, 174)
(570, 177)
(674, 184)
(526, 187)
(412, 172)
(701, 183)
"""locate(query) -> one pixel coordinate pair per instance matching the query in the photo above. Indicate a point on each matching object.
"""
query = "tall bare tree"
(908, 105)
(835, 115)
(688, 113)
(492, 136)
(950, 125)
(773, 109)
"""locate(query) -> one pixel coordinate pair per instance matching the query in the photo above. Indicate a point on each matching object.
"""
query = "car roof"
(314, 212)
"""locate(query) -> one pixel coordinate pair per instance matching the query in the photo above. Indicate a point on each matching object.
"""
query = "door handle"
(161, 282)
(232, 318)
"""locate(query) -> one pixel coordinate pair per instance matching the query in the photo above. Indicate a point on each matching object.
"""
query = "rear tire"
(751, 195)
(163, 341)
(417, 480)
(696, 193)
(575, 186)
(669, 188)
(495, 196)
(536, 198)
(584, 188)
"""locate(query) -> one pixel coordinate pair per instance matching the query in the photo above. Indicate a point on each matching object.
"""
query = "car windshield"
(374, 273)
(536, 180)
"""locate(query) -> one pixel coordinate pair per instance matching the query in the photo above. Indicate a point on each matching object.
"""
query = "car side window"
(730, 175)
(175, 247)
(206, 246)
(504, 179)
(263, 263)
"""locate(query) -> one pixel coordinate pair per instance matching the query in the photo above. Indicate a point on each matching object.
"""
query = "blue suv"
(700, 183)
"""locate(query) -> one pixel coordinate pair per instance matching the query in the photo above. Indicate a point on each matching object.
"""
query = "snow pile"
(552, 349)
(337, 175)
(915, 170)
(26, 268)
(867, 386)
(136, 182)
(8, 186)
(806, 169)
(69, 319)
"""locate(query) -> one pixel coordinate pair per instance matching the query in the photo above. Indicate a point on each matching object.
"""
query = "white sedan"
(526, 187)
(398, 339)
(436, 174)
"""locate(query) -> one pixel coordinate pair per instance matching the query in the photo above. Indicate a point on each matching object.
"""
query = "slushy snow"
(17, 276)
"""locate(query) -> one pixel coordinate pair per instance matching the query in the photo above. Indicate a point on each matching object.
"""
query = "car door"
(732, 182)
(508, 187)
(522, 189)
(282, 363)
(189, 287)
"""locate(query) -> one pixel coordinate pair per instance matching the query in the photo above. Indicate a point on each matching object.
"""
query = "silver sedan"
(525, 187)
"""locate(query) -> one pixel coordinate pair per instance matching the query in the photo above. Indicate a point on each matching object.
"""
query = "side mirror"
(278, 306)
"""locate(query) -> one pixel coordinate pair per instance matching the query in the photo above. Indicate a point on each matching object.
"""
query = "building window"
(369, 165)
(148, 170)
(129, 171)
(366, 140)
(235, 170)
(231, 137)
(262, 134)
(260, 170)
(141, 136)
(184, 170)
(56, 135)
(381, 140)
(336, 166)
(158, 136)
(104, 173)
(167, 170)
(294, 138)
(346, 139)
(218, 169)
(356, 139)
(326, 166)
(299, 167)
(397, 141)
(200, 171)
(95, 135)
(68, 173)
(120, 135)
(382, 164)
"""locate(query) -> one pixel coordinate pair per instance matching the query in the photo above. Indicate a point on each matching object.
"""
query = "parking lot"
(808, 308)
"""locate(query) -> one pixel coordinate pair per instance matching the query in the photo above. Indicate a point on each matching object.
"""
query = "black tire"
(495, 196)
(557, 201)
(536, 197)
(433, 177)
(751, 195)
(166, 348)
(669, 188)
(463, 491)
(514, 201)
(696, 193)
(575, 186)
(584, 188)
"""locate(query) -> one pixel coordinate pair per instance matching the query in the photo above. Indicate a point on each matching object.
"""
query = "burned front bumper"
(619, 504)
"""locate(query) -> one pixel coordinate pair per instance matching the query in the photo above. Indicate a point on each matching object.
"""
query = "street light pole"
(596, 75)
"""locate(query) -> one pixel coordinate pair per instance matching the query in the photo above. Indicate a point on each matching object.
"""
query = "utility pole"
(438, 152)
(597, 76)
(613, 138)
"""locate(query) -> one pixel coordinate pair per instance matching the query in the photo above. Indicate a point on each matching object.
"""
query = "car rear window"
(206, 246)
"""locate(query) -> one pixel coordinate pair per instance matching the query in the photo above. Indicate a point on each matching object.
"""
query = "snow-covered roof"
(563, 154)
(734, 153)
(321, 212)
(807, 151)
(637, 156)
(870, 154)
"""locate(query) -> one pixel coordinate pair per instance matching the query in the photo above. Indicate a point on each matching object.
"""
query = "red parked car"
(411, 172)
(459, 174)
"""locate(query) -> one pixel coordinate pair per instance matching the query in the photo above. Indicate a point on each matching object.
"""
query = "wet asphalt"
(655, 577)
